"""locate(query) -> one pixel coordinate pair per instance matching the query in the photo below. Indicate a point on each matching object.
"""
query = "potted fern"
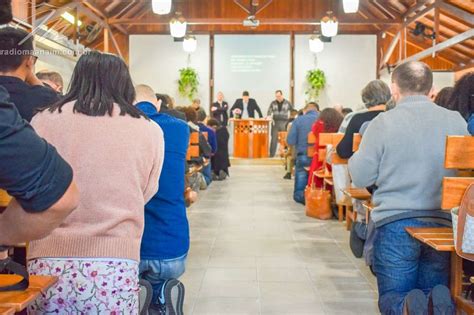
(316, 81)
(188, 82)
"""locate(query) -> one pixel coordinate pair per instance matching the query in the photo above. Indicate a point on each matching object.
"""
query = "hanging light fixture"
(190, 44)
(350, 6)
(329, 25)
(315, 44)
(178, 27)
(161, 7)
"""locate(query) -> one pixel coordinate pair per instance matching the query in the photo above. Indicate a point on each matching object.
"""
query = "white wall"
(62, 63)
(440, 79)
(155, 60)
(349, 63)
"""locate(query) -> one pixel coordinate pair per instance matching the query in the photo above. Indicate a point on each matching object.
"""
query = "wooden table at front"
(442, 240)
(251, 138)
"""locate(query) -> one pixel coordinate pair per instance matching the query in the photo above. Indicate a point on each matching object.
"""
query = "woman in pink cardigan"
(116, 154)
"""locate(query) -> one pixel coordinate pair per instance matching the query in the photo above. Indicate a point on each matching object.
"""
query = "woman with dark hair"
(442, 99)
(329, 121)
(220, 160)
(462, 99)
(117, 155)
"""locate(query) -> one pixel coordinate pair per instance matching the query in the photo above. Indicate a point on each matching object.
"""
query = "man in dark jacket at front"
(247, 107)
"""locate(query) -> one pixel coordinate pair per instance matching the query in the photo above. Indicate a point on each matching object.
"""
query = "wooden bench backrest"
(356, 142)
(459, 152)
(311, 142)
(459, 155)
(4, 198)
(282, 138)
(193, 149)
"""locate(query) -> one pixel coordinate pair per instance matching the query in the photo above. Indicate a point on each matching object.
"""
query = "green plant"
(316, 80)
(188, 82)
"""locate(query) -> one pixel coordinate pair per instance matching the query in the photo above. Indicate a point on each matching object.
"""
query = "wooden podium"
(251, 138)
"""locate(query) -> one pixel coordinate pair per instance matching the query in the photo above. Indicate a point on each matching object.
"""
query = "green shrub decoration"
(316, 80)
(188, 83)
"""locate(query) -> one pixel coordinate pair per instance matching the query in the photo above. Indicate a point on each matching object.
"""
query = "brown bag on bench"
(318, 202)
(464, 225)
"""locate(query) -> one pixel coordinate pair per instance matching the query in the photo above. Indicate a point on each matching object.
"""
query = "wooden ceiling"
(389, 19)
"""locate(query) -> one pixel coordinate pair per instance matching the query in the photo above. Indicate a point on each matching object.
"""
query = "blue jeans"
(158, 271)
(403, 263)
(301, 177)
(207, 173)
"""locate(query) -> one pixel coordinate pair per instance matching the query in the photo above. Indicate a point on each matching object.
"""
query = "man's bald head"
(412, 78)
(146, 94)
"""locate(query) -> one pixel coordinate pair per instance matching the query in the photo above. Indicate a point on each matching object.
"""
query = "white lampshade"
(315, 44)
(329, 26)
(161, 7)
(350, 6)
(190, 44)
(178, 27)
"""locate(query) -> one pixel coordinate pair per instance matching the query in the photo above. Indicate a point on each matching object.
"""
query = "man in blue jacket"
(165, 241)
(298, 137)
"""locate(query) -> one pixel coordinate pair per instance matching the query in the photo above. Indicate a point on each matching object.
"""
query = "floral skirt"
(87, 286)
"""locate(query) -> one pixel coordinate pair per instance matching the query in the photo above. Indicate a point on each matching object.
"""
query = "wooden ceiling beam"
(445, 56)
(460, 13)
(446, 44)
(237, 21)
(385, 9)
(102, 15)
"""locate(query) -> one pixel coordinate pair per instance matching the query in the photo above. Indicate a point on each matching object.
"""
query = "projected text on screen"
(249, 63)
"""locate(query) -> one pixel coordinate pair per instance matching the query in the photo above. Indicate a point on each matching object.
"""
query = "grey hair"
(375, 93)
(390, 104)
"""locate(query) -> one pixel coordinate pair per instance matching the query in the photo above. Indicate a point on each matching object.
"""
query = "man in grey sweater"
(279, 110)
(402, 153)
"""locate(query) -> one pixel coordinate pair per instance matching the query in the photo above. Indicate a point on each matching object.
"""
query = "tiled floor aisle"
(253, 251)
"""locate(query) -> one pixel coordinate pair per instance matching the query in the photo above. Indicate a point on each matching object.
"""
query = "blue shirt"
(470, 125)
(166, 234)
(31, 170)
(299, 131)
(211, 136)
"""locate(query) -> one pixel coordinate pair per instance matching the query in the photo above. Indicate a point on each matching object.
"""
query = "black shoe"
(222, 175)
(440, 301)
(416, 303)
(287, 176)
(172, 297)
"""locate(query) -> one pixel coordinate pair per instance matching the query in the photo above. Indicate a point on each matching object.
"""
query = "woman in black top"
(219, 110)
(375, 95)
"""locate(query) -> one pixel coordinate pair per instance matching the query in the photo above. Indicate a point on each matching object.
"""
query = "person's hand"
(213, 108)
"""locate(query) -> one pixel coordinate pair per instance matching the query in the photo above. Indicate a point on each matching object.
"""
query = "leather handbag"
(8, 266)
(318, 202)
(463, 225)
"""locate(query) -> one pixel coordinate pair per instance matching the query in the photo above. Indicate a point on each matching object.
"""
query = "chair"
(459, 155)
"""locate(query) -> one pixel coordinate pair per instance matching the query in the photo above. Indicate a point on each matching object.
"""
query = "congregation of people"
(401, 163)
(102, 177)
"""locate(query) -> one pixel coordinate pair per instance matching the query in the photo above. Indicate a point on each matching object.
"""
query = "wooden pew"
(20, 300)
(459, 155)
(193, 151)
(7, 311)
(282, 135)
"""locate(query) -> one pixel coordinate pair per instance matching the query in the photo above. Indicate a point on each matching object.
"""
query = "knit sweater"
(402, 153)
(117, 163)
